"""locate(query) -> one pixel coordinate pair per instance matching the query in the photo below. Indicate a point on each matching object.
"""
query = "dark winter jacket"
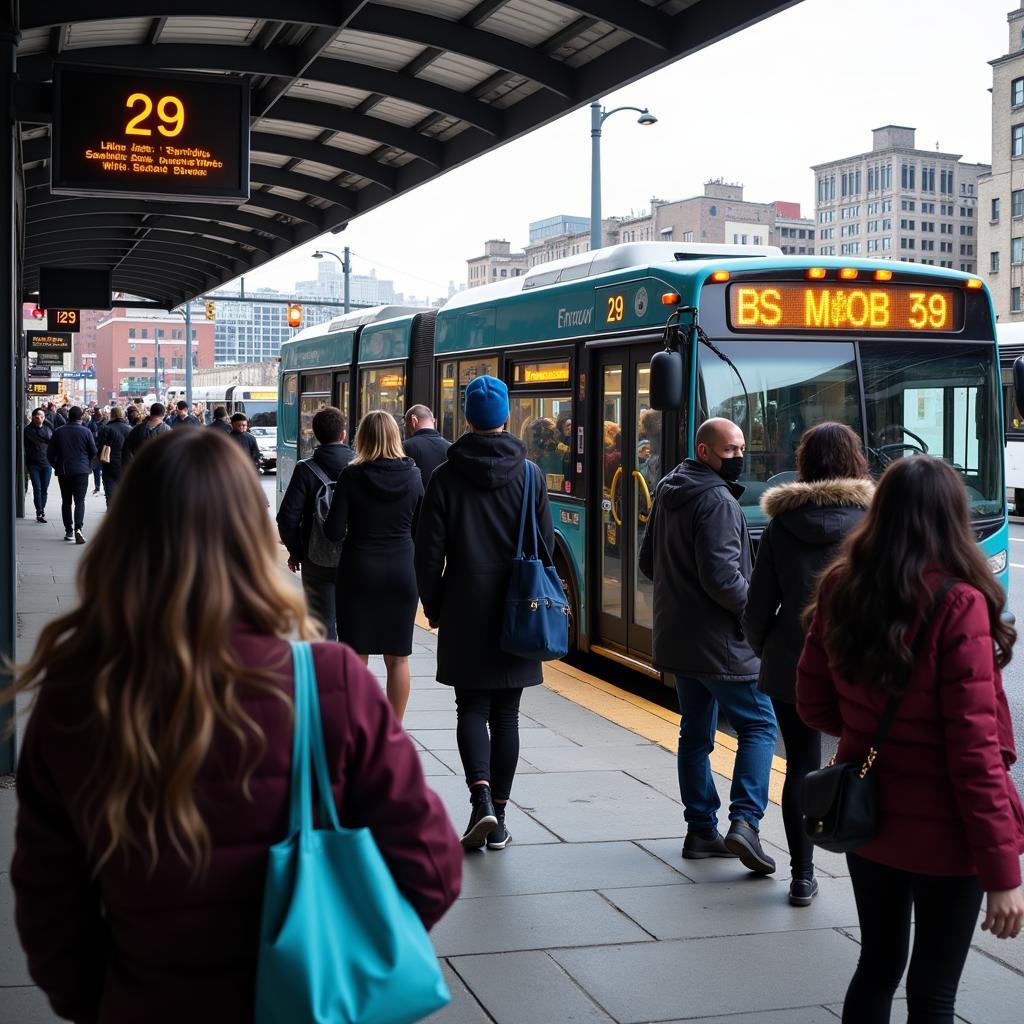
(808, 520)
(163, 948)
(375, 504)
(187, 421)
(71, 449)
(295, 516)
(37, 440)
(248, 444)
(140, 434)
(948, 804)
(697, 552)
(428, 449)
(115, 433)
(222, 425)
(465, 543)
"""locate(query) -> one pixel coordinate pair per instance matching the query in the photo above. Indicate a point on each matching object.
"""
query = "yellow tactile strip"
(646, 719)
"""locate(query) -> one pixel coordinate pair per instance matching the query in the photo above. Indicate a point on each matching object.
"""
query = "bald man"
(697, 552)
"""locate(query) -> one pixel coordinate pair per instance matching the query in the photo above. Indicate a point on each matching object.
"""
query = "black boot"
(500, 837)
(483, 819)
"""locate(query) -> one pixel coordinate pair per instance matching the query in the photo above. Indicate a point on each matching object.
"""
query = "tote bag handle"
(529, 512)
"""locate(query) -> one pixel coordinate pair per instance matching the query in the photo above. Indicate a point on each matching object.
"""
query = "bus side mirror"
(667, 381)
(1018, 384)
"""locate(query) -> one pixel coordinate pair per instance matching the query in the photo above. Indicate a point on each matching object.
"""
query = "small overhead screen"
(74, 287)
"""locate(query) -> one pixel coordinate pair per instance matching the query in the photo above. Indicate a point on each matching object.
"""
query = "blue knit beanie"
(486, 403)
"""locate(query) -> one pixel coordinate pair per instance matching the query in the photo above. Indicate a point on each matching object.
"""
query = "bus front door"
(629, 436)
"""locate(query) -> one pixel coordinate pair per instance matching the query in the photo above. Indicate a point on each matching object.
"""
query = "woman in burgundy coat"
(149, 795)
(951, 825)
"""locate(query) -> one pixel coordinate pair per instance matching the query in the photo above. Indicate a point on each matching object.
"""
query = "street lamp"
(598, 116)
(346, 269)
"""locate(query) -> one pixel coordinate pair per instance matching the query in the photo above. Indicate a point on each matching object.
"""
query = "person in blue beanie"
(465, 542)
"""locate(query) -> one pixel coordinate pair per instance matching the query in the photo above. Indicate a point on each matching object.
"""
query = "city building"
(720, 214)
(552, 227)
(127, 342)
(498, 261)
(364, 289)
(252, 331)
(899, 202)
(1001, 193)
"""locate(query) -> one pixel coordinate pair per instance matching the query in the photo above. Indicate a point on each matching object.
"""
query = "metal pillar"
(346, 271)
(188, 354)
(156, 365)
(595, 174)
(9, 352)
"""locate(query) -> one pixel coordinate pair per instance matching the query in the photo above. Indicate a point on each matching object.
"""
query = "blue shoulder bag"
(536, 624)
(339, 944)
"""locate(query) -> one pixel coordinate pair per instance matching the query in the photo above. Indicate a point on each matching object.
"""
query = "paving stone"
(452, 759)
(793, 1015)
(638, 759)
(526, 988)
(564, 867)
(444, 718)
(464, 1008)
(444, 739)
(714, 869)
(752, 906)
(532, 922)
(13, 969)
(736, 975)
(431, 698)
(431, 765)
(25, 1005)
(597, 806)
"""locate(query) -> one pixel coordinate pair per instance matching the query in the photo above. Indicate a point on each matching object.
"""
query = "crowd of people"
(148, 799)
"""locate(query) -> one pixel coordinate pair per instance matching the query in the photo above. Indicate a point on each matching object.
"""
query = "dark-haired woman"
(808, 520)
(951, 826)
(148, 799)
(112, 435)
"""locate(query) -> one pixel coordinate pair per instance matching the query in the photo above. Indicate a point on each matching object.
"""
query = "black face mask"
(731, 469)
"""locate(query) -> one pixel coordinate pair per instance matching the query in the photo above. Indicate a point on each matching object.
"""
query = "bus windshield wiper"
(706, 341)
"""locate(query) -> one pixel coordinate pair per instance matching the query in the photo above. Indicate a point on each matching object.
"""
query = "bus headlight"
(997, 563)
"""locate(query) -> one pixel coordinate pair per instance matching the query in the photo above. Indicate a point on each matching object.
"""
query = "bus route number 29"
(616, 309)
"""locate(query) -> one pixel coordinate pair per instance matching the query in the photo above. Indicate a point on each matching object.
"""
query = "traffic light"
(294, 314)
(38, 313)
(211, 309)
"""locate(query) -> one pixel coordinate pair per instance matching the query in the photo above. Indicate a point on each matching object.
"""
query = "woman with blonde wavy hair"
(154, 770)
(374, 509)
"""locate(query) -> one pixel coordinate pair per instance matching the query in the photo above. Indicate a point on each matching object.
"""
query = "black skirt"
(377, 598)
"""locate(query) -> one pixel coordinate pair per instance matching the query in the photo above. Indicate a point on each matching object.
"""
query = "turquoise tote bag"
(339, 944)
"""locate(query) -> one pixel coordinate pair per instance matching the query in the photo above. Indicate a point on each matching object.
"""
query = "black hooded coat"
(374, 511)
(465, 543)
(697, 552)
(808, 521)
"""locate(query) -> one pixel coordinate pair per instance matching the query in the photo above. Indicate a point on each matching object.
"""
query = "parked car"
(266, 439)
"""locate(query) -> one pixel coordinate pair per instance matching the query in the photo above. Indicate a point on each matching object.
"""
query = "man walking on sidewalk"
(697, 552)
(70, 452)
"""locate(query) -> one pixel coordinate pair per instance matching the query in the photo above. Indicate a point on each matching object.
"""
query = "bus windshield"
(920, 398)
(261, 414)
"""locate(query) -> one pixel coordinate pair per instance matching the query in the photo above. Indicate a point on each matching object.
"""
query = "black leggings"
(490, 757)
(945, 917)
(803, 755)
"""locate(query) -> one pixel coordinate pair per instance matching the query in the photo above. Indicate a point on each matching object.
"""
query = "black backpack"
(321, 551)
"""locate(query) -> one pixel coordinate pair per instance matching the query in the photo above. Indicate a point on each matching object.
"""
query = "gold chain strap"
(869, 762)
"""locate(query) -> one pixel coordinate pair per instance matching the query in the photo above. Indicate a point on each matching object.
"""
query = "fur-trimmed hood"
(821, 512)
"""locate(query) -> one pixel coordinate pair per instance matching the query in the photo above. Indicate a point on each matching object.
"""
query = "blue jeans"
(40, 477)
(751, 715)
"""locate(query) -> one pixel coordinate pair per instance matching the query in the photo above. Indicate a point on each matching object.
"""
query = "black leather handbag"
(840, 801)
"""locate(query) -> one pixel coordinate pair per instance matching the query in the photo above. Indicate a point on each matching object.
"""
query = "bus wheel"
(565, 576)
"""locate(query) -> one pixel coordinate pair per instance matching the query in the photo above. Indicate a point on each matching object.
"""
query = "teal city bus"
(903, 353)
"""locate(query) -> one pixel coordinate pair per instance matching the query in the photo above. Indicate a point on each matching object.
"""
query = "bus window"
(291, 397)
(383, 388)
(544, 424)
(446, 412)
(316, 395)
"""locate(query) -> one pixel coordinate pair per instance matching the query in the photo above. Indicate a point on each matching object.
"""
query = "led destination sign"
(836, 306)
(64, 319)
(166, 136)
(43, 341)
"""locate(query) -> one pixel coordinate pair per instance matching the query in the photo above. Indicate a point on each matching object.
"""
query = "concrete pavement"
(590, 915)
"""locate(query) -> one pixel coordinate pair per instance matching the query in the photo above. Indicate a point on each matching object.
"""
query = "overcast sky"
(759, 108)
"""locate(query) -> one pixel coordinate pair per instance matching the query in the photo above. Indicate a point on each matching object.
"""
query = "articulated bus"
(904, 354)
(1011, 348)
(258, 402)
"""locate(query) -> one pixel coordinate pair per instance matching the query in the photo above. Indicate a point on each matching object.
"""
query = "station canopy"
(351, 104)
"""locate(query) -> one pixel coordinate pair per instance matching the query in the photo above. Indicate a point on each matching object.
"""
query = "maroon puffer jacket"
(135, 946)
(949, 806)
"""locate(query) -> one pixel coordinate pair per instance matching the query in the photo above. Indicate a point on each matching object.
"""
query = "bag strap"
(311, 465)
(309, 742)
(894, 701)
(527, 505)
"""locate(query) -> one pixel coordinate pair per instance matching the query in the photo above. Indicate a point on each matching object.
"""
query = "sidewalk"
(590, 915)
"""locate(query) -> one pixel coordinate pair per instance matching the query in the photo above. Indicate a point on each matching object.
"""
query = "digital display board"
(49, 358)
(43, 387)
(795, 306)
(46, 341)
(131, 133)
(64, 320)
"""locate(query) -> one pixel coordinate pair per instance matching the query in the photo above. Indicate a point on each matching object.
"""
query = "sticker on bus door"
(579, 440)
